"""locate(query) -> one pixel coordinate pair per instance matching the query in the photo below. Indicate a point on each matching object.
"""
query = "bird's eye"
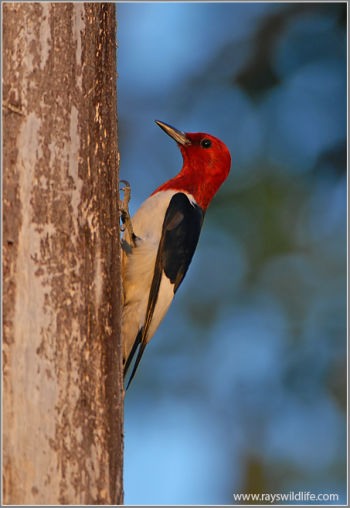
(206, 143)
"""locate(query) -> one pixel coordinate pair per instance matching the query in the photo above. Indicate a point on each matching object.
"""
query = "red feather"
(203, 170)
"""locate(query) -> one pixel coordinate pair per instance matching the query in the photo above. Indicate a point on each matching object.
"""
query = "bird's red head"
(206, 164)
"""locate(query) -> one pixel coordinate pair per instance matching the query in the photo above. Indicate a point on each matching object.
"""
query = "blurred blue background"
(243, 387)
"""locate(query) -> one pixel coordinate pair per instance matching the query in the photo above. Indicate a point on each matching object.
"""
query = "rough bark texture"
(62, 370)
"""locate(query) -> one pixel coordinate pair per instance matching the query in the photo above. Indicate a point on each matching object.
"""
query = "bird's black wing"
(181, 229)
(180, 233)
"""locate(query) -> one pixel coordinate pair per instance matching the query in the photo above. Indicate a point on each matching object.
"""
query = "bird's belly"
(136, 300)
(138, 270)
(137, 279)
(138, 267)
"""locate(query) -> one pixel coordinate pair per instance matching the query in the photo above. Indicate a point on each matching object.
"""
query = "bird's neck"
(198, 183)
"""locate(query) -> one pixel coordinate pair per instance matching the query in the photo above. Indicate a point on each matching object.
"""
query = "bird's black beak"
(178, 136)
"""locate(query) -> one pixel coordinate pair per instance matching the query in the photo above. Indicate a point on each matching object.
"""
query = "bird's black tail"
(131, 356)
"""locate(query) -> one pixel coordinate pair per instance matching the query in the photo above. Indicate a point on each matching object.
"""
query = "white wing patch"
(165, 297)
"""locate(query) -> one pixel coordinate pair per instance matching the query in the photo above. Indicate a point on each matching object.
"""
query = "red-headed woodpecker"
(160, 241)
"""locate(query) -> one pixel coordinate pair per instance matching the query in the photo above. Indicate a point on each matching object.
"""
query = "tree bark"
(62, 361)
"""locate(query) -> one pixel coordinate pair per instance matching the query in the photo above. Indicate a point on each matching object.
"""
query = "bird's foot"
(124, 212)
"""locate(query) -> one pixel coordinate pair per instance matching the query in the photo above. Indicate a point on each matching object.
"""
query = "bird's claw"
(127, 191)
(124, 211)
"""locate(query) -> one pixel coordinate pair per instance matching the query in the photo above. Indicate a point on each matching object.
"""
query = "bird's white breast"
(138, 268)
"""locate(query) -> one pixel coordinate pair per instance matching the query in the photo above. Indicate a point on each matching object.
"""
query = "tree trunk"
(62, 361)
